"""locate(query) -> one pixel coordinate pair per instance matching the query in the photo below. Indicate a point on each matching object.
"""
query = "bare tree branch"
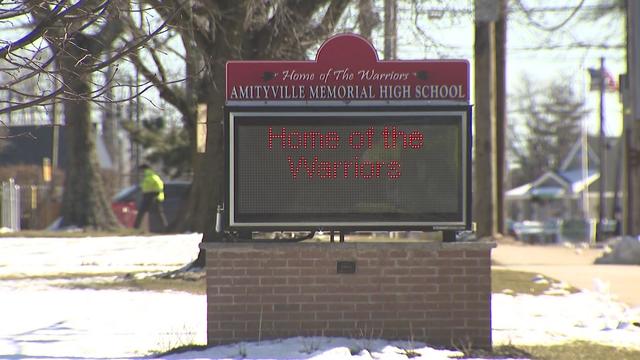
(541, 26)
(38, 101)
(27, 134)
(166, 92)
(329, 20)
(51, 17)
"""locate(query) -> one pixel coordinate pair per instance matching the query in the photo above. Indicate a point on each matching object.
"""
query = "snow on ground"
(59, 323)
(43, 256)
(40, 321)
(590, 316)
(321, 348)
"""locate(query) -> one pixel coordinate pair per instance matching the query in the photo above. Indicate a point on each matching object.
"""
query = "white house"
(573, 190)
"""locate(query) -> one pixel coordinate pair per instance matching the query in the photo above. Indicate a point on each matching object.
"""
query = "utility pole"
(55, 140)
(390, 29)
(602, 155)
(485, 194)
(501, 113)
(110, 126)
(633, 126)
(133, 173)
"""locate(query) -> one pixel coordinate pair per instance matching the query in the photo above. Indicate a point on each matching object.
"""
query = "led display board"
(356, 168)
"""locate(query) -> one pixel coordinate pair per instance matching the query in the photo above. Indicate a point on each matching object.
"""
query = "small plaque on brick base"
(346, 267)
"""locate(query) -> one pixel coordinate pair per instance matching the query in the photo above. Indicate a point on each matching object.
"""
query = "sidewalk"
(571, 265)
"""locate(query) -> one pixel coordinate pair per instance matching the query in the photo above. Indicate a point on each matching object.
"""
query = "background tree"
(66, 47)
(556, 26)
(214, 32)
(167, 146)
(368, 18)
(84, 201)
(551, 119)
(58, 32)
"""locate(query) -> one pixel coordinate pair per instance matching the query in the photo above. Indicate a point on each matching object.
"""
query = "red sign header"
(347, 69)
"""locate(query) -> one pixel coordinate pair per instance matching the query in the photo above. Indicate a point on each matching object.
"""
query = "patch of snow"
(320, 348)
(589, 316)
(540, 279)
(89, 255)
(626, 250)
(97, 324)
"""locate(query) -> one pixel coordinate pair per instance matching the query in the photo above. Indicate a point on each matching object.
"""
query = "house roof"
(570, 176)
(520, 191)
(579, 180)
(573, 160)
(551, 180)
(30, 150)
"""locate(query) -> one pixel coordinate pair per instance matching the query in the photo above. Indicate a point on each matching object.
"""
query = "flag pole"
(602, 154)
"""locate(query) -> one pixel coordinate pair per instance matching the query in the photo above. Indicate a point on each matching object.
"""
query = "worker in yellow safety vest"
(152, 196)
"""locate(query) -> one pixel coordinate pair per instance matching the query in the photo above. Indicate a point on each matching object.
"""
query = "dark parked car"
(125, 204)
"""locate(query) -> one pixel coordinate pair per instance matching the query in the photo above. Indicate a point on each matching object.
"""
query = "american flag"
(610, 82)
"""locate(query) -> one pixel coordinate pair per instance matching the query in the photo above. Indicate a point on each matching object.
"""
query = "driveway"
(573, 265)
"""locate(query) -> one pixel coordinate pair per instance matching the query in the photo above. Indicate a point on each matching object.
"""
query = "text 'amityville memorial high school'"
(347, 143)
(347, 92)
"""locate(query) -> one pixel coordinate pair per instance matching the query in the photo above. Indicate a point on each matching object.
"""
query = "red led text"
(414, 139)
(354, 168)
(390, 138)
(295, 139)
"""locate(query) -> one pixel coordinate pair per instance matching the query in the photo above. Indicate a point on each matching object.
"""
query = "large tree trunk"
(84, 202)
(484, 198)
(367, 18)
(209, 171)
(187, 220)
(110, 131)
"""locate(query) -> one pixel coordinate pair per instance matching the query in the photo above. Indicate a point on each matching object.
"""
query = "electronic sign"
(355, 145)
(348, 168)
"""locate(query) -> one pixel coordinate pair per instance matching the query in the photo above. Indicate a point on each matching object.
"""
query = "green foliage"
(168, 146)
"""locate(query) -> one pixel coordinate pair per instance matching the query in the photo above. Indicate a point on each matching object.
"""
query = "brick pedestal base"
(439, 293)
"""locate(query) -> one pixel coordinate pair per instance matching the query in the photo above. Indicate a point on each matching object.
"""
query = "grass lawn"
(73, 234)
(577, 350)
(521, 282)
(193, 283)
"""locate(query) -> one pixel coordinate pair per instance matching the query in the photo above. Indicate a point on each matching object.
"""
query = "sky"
(532, 51)
(452, 36)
